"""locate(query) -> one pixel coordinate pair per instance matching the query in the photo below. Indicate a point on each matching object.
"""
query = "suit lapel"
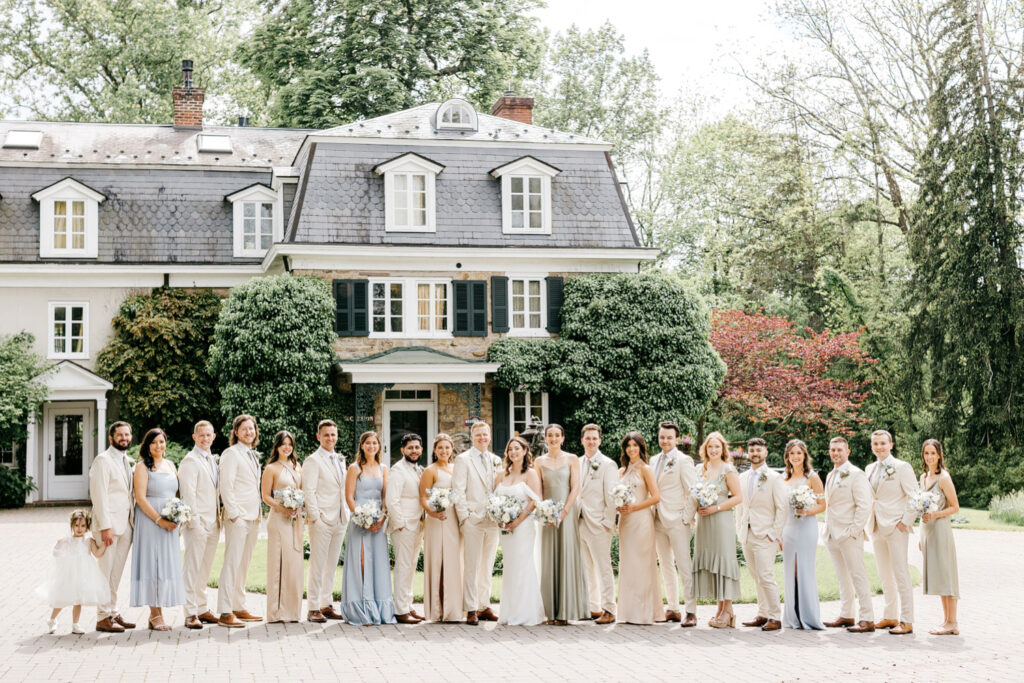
(478, 466)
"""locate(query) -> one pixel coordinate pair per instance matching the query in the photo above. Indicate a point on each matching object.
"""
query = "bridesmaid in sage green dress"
(940, 572)
(563, 579)
(716, 571)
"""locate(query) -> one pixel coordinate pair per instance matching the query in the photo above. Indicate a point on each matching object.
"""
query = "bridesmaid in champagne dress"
(940, 571)
(442, 548)
(284, 532)
(639, 587)
(800, 542)
(563, 580)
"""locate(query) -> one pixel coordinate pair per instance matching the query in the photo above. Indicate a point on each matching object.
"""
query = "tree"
(272, 355)
(323, 62)
(158, 360)
(93, 60)
(22, 387)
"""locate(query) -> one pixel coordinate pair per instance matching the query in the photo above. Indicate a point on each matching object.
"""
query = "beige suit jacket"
(596, 505)
(324, 488)
(848, 503)
(197, 489)
(240, 483)
(111, 490)
(891, 498)
(677, 475)
(472, 482)
(403, 496)
(764, 514)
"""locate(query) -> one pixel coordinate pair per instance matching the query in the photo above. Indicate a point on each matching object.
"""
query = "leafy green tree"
(272, 355)
(22, 389)
(157, 360)
(323, 62)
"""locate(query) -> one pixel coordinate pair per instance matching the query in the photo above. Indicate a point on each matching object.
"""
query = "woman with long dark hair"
(639, 588)
(442, 539)
(937, 546)
(800, 541)
(281, 478)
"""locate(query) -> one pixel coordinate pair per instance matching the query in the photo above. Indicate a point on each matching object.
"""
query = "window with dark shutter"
(470, 308)
(502, 427)
(499, 303)
(554, 285)
(351, 308)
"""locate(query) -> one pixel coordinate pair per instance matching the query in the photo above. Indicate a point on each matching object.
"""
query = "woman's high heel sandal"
(158, 627)
(953, 630)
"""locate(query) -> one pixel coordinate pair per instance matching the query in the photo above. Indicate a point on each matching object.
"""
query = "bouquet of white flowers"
(177, 511)
(290, 497)
(624, 494)
(504, 509)
(706, 492)
(367, 514)
(439, 499)
(803, 497)
(923, 502)
(547, 511)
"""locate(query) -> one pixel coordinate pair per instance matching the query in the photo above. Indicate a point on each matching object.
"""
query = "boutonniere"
(669, 464)
(889, 471)
(762, 478)
(844, 474)
(496, 461)
(594, 466)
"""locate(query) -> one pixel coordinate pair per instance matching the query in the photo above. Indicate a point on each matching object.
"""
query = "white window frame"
(13, 448)
(512, 407)
(409, 164)
(410, 308)
(465, 109)
(51, 336)
(68, 190)
(414, 296)
(525, 168)
(255, 194)
(541, 331)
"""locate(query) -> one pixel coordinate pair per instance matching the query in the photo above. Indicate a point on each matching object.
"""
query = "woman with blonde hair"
(937, 546)
(800, 541)
(442, 539)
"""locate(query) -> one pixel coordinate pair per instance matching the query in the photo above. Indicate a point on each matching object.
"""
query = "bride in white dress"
(521, 602)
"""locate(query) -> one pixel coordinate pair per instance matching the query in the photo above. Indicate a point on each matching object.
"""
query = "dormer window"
(213, 143)
(23, 139)
(257, 222)
(455, 114)
(68, 220)
(526, 196)
(409, 200)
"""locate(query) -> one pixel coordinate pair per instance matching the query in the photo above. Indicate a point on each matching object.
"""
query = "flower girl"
(76, 578)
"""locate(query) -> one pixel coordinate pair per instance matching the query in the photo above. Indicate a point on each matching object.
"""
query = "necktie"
(337, 467)
(213, 467)
(750, 484)
(876, 475)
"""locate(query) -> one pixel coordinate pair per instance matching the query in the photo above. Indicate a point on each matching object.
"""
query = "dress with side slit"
(799, 553)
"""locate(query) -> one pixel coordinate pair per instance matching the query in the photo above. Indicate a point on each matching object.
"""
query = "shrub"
(14, 486)
(1008, 508)
(21, 387)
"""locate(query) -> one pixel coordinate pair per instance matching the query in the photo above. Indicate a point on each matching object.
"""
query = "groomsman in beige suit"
(472, 481)
(240, 492)
(673, 520)
(599, 475)
(405, 523)
(890, 525)
(848, 502)
(323, 483)
(113, 510)
(197, 487)
(762, 515)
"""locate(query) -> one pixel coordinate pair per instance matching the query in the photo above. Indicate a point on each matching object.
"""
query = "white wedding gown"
(521, 603)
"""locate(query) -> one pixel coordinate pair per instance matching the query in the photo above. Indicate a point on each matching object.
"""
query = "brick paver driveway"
(988, 649)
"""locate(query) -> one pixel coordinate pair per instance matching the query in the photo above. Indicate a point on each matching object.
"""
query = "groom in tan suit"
(673, 520)
(891, 521)
(240, 493)
(848, 502)
(472, 481)
(599, 475)
(323, 483)
(113, 510)
(405, 522)
(197, 486)
(762, 515)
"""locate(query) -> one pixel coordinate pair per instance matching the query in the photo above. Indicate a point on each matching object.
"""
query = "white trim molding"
(90, 275)
(455, 108)
(524, 179)
(427, 373)
(402, 178)
(253, 198)
(76, 204)
(69, 336)
(526, 330)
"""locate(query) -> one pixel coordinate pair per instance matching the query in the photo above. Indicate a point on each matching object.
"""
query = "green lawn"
(828, 587)
(980, 519)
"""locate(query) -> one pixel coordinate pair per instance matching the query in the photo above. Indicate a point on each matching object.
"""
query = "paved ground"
(988, 649)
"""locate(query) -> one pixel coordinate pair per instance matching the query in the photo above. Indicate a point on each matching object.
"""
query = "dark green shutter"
(470, 308)
(502, 428)
(499, 303)
(554, 284)
(351, 308)
(478, 299)
(556, 409)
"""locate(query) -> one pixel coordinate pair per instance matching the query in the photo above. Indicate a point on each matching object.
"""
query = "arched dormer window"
(456, 114)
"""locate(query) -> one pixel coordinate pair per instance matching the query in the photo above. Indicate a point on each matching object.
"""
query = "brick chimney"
(188, 101)
(509, 106)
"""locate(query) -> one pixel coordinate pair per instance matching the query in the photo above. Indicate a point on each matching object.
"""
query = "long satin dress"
(799, 554)
(521, 602)
(940, 572)
(639, 588)
(716, 571)
(563, 579)
(366, 583)
(157, 578)
(442, 562)
(284, 557)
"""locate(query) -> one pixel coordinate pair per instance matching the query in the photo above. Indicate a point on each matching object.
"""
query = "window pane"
(60, 236)
(518, 321)
(537, 411)
(517, 219)
(266, 239)
(401, 182)
(517, 287)
(517, 202)
(535, 184)
(266, 210)
(60, 208)
(401, 200)
(535, 220)
(77, 345)
(535, 202)
(60, 313)
(78, 233)
(517, 184)
(78, 208)
(396, 324)
(419, 183)
(420, 200)
(419, 217)
(249, 210)
(396, 291)
(519, 415)
(402, 217)
(378, 290)
(535, 321)
(378, 324)
(534, 287)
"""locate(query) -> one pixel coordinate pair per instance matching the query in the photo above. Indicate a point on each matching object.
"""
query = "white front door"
(404, 414)
(68, 430)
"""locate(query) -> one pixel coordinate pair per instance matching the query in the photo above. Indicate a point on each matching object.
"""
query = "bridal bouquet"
(624, 494)
(706, 492)
(290, 497)
(440, 499)
(923, 502)
(177, 511)
(367, 514)
(504, 509)
(803, 497)
(547, 511)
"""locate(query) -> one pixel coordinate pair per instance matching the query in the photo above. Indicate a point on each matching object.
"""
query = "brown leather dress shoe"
(673, 616)
(861, 627)
(416, 616)
(124, 624)
(487, 615)
(772, 625)
(887, 623)
(606, 618)
(244, 615)
(108, 626)
(406, 619)
(229, 621)
(595, 615)
(316, 617)
(330, 613)
(840, 622)
(689, 621)
(471, 619)
(902, 629)
(760, 621)
(208, 617)
(192, 621)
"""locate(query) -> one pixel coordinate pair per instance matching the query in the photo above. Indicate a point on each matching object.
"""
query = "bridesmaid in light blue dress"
(156, 580)
(800, 543)
(366, 583)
